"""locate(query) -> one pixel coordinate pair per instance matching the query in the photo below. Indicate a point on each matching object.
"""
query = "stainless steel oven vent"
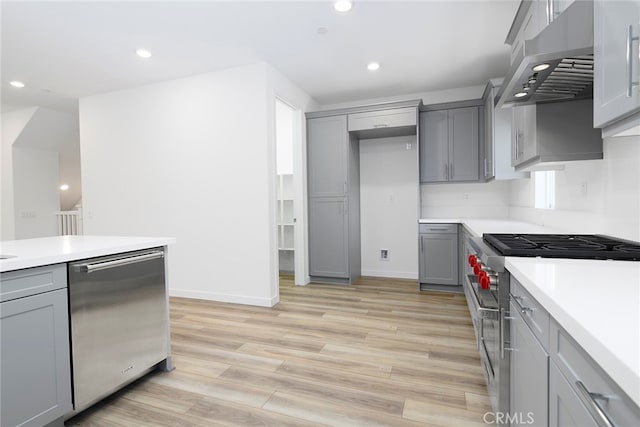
(557, 64)
(572, 78)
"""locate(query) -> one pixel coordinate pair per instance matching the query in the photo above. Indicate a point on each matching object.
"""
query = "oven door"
(485, 315)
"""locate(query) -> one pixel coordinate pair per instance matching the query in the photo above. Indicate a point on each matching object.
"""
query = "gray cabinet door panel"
(328, 237)
(327, 152)
(35, 363)
(439, 259)
(612, 68)
(434, 143)
(529, 373)
(463, 144)
(565, 408)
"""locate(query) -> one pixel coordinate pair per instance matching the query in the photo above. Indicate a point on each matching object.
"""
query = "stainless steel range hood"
(566, 46)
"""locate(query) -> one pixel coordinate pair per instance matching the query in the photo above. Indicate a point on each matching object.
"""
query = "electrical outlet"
(28, 214)
(408, 146)
(384, 254)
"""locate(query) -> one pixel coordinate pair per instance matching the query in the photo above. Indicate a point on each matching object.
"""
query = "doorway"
(288, 138)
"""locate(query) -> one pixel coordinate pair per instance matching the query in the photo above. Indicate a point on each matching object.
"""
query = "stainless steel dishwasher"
(118, 315)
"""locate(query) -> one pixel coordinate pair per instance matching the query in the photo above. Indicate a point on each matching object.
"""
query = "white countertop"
(598, 303)
(480, 226)
(52, 250)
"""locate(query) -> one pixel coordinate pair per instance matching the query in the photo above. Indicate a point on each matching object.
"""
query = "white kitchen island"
(92, 309)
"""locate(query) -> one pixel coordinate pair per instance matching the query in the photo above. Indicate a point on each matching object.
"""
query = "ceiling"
(66, 50)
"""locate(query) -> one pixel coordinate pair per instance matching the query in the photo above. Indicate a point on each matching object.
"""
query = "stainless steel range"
(486, 287)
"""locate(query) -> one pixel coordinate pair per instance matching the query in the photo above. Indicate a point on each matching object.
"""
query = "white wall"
(389, 206)
(12, 124)
(460, 200)
(192, 158)
(611, 203)
(36, 194)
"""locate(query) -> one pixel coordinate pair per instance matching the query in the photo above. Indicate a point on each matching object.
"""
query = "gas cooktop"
(580, 246)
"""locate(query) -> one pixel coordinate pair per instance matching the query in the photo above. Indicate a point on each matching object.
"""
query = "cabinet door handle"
(446, 171)
(421, 249)
(630, 40)
(550, 12)
(451, 171)
(344, 189)
(591, 400)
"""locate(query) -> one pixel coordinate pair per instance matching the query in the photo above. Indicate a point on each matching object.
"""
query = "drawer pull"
(591, 400)
(516, 300)
(382, 125)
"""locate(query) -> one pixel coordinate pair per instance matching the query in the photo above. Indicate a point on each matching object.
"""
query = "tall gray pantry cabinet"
(333, 167)
(329, 186)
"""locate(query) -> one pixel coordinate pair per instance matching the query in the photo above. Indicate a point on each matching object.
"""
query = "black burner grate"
(581, 246)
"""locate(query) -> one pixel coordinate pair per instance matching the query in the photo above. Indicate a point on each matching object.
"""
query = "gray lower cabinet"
(35, 361)
(529, 372)
(328, 237)
(580, 392)
(553, 380)
(565, 407)
(616, 73)
(439, 254)
(449, 144)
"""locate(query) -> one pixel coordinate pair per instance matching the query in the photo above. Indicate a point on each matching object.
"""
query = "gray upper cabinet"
(327, 154)
(381, 119)
(328, 237)
(449, 144)
(497, 161)
(554, 132)
(35, 361)
(616, 48)
(434, 146)
(463, 144)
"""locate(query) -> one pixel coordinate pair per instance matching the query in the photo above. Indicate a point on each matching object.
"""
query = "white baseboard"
(235, 299)
(391, 274)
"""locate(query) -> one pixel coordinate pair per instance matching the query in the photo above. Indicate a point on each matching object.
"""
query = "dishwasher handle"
(91, 267)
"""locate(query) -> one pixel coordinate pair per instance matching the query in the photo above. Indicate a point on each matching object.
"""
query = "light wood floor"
(376, 353)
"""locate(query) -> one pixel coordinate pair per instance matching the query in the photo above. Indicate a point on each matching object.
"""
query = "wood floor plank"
(377, 353)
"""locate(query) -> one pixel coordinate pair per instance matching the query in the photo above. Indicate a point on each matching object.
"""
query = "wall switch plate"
(384, 254)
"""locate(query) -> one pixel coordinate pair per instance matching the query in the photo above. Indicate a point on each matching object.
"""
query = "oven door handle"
(502, 334)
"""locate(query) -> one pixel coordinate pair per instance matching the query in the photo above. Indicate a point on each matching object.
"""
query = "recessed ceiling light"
(540, 67)
(17, 84)
(342, 6)
(373, 66)
(143, 53)
(64, 187)
(520, 94)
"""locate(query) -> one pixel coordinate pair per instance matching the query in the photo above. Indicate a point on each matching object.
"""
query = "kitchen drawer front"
(383, 119)
(438, 228)
(32, 281)
(577, 366)
(532, 312)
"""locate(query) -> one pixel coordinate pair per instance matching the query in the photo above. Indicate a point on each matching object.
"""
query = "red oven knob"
(477, 268)
(485, 281)
(473, 260)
